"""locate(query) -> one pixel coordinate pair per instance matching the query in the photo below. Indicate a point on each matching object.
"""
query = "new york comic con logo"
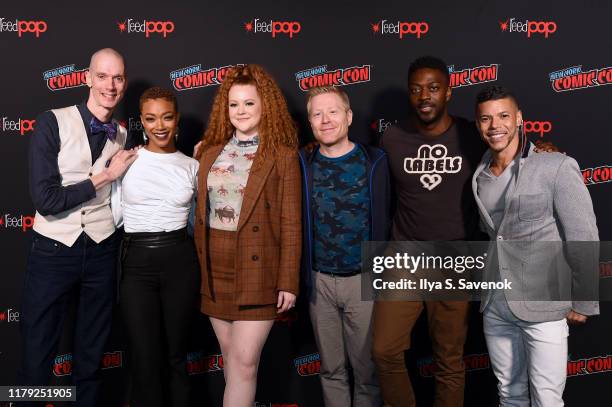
(531, 28)
(597, 175)
(62, 365)
(193, 77)
(146, 27)
(17, 222)
(65, 77)
(273, 27)
(574, 78)
(410, 29)
(22, 27)
(472, 76)
(308, 365)
(588, 366)
(21, 126)
(198, 363)
(321, 76)
(427, 366)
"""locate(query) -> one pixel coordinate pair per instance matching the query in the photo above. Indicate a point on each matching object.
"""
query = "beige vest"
(93, 217)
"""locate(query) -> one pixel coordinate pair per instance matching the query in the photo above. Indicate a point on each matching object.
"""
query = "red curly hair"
(276, 127)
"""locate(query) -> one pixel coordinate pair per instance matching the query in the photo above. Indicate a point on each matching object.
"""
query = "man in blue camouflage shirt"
(346, 202)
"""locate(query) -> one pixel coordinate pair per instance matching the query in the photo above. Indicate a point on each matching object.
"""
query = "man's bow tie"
(110, 128)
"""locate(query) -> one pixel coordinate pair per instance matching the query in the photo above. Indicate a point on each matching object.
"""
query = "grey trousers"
(342, 326)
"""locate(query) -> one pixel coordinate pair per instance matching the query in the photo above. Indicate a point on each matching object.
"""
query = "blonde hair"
(321, 90)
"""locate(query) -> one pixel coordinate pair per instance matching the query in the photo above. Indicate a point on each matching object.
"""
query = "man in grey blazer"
(529, 204)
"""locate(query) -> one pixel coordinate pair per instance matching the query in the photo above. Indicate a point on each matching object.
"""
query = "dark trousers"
(447, 322)
(54, 273)
(159, 292)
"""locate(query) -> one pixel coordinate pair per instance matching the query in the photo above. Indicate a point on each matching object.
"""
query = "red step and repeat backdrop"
(555, 56)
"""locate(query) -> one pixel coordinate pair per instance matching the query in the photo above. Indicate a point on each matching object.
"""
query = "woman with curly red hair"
(248, 221)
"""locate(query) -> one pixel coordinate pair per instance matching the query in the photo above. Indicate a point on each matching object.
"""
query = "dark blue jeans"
(54, 273)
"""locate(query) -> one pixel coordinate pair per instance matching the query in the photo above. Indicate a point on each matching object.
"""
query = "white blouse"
(157, 191)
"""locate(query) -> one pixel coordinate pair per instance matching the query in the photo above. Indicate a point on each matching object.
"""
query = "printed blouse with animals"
(227, 180)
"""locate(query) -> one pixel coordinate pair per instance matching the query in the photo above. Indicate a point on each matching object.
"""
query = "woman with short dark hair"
(160, 279)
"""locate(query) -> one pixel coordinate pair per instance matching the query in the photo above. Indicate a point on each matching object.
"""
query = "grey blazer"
(547, 203)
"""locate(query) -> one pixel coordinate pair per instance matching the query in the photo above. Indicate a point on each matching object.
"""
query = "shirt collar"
(253, 141)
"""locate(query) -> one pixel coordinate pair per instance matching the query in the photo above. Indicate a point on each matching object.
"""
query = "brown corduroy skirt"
(222, 255)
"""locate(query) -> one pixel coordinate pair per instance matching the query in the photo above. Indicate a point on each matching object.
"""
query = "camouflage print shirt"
(341, 211)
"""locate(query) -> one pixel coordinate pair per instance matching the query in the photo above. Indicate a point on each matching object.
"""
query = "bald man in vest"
(75, 154)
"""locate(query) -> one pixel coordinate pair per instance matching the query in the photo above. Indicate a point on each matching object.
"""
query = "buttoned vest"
(93, 217)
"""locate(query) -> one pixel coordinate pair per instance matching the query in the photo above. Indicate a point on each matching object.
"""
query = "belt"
(345, 274)
(153, 240)
(147, 240)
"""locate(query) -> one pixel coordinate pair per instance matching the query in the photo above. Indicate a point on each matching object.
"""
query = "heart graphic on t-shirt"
(430, 181)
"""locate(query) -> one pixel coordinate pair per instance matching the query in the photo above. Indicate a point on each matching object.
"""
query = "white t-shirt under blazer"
(157, 191)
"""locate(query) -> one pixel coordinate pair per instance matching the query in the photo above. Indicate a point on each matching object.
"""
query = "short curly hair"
(429, 62)
(276, 127)
(157, 92)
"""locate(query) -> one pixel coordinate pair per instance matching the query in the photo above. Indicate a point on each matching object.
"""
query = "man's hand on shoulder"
(545, 147)
(574, 318)
(119, 164)
(197, 150)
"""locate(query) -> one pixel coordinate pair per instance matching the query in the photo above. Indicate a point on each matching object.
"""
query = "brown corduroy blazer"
(269, 235)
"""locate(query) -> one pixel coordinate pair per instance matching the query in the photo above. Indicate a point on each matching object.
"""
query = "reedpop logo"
(574, 78)
(22, 26)
(401, 28)
(17, 222)
(20, 125)
(10, 315)
(381, 125)
(537, 127)
(605, 269)
(145, 27)
(513, 25)
(289, 28)
(132, 124)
